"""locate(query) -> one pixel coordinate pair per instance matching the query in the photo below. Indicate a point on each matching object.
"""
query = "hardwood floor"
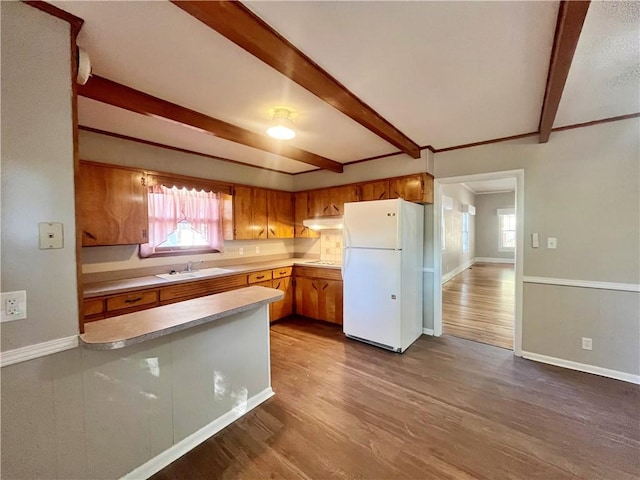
(446, 408)
(478, 304)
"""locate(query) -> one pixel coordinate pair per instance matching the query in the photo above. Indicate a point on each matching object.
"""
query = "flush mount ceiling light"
(282, 124)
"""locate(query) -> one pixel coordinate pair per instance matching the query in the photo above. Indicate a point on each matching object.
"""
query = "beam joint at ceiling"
(241, 26)
(571, 16)
(112, 93)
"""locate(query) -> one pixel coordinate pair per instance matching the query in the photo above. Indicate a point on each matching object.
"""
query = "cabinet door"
(306, 297)
(284, 307)
(320, 203)
(341, 195)
(413, 188)
(374, 190)
(249, 213)
(330, 300)
(113, 206)
(260, 213)
(301, 205)
(279, 214)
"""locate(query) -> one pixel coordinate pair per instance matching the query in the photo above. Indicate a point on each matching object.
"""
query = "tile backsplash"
(331, 245)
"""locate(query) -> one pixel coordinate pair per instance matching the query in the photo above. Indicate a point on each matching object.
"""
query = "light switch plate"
(535, 242)
(552, 242)
(14, 306)
(51, 235)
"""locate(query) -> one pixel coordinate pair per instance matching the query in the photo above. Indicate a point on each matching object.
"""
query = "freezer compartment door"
(372, 303)
(372, 224)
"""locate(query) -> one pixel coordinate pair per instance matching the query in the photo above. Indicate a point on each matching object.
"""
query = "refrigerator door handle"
(345, 259)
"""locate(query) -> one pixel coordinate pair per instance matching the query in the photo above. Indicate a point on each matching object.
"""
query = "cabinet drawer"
(282, 272)
(132, 300)
(257, 277)
(201, 288)
(93, 306)
(318, 272)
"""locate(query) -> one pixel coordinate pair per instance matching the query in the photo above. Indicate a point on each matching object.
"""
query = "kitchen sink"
(205, 272)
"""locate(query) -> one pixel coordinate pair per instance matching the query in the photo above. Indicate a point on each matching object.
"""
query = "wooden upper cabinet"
(280, 214)
(301, 207)
(374, 190)
(113, 205)
(249, 213)
(330, 201)
(412, 188)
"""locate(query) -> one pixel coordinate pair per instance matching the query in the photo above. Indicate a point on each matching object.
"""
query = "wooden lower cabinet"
(319, 298)
(284, 307)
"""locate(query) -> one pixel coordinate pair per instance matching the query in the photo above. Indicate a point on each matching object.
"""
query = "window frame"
(465, 232)
(503, 213)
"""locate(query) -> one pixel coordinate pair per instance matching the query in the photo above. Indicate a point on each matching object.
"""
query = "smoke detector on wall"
(84, 66)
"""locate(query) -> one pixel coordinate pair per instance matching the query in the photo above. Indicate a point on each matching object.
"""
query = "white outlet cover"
(587, 343)
(552, 242)
(51, 235)
(13, 311)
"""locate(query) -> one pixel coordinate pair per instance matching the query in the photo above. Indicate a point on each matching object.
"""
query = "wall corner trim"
(187, 444)
(428, 331)
(566, 282)
(582, 367)
(22, 354)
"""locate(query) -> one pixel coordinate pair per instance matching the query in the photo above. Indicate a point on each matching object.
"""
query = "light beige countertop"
(132, 328)
(97, 289)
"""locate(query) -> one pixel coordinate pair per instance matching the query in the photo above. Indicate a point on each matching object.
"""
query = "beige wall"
(581, 187)
(453, 259)
(488, 225)
(37, 173)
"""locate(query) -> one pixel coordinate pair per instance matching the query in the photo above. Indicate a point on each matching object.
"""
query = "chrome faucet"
(189, 267)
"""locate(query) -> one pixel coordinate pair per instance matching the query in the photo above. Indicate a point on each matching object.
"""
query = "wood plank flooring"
(447, 408)
(478, 304)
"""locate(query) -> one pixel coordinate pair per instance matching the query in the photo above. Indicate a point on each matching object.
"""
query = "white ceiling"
(444, 73)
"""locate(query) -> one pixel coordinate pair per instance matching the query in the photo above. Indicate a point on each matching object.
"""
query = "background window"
(507, 234)
(465, 232)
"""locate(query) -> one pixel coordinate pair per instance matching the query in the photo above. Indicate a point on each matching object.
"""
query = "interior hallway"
(478, 304)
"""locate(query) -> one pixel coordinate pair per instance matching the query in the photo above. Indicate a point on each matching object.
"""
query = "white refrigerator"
(382, 272)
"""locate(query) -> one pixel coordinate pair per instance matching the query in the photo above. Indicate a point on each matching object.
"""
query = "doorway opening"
(478, 249)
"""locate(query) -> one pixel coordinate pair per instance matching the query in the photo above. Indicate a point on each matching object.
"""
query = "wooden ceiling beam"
(240, 25)
(112, 93)
(571, 16)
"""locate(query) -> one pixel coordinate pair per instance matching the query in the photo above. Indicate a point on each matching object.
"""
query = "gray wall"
(37, 173)
(581, 187)
(487, 223)
(453, 259)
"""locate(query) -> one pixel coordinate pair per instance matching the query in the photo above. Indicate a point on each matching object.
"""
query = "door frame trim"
(519, 253)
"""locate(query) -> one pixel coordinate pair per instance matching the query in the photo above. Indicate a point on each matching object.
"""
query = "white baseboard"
(583, 367)
(494, 260)
(18, 355)
(185, 445)
(457, 271)
(428, 331)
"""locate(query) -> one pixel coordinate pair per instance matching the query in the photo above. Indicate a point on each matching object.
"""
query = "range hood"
(323, 223)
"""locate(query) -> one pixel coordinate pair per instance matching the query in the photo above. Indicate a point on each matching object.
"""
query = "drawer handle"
(133, 300)
(283, 272)
(259, 277)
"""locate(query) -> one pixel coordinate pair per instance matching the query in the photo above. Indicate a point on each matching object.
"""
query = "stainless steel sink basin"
(205, 272)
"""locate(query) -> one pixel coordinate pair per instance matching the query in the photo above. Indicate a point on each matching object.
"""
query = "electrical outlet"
(240, 251)
(552, 242)
(587, 343)
(14, 306)
(257, 249)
